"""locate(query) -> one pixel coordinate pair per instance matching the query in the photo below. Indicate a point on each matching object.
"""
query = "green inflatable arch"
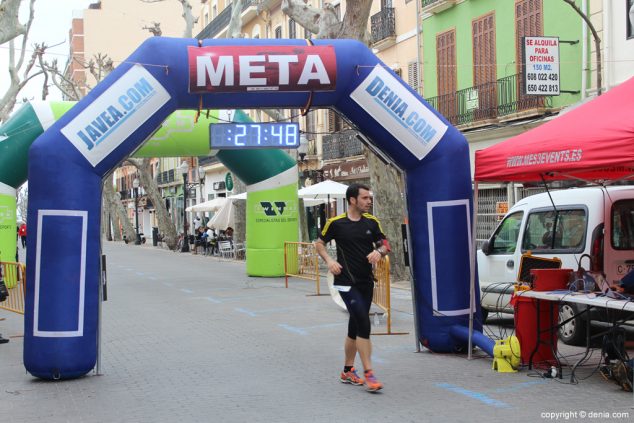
(269, 175)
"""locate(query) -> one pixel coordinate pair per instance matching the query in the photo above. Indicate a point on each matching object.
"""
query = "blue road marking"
(168, 284)
(293, 329)
(484, 398)
(304, 331)
(242, 310)
(187, 291)
(213, 300)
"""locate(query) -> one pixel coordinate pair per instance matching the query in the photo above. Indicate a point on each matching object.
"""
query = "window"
(311, 125)
(278, 32)
(412, 75)
(561, 230)
(446, 73)
(629, 16)
(623, 225)
(484, 77)
(292, 29)
(528, 23)
(505, 237)
(335, 122)
(307, 34)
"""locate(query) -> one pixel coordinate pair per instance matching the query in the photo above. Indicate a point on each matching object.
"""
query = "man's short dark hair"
(353, 191)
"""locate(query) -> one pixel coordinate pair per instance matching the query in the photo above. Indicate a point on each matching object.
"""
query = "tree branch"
(305, 15)
(597, 43)
(10, 26)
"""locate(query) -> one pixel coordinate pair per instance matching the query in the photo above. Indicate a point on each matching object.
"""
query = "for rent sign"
(262, 68)
(541, 65)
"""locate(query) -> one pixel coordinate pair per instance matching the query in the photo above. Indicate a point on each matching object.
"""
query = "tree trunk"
(10, 26)
(385, 182)
(387, 186)
(239, 212)
(165, 225)
(115, 204)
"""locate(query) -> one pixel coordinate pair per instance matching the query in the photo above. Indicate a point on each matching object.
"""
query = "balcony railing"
(383, 25)
(221, 21)
(436, 6)
(488, 101)
(165, 177)
(340, 145)
(207, 160)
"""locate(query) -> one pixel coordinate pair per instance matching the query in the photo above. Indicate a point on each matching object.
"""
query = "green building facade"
(455, 32)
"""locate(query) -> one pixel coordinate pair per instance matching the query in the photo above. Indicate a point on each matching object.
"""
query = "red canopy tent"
(595, 141)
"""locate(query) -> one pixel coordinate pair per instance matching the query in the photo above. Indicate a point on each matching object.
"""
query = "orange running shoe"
(371, 382)
(351, 377)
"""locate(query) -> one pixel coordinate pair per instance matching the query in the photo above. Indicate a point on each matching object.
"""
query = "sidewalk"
(189, 338)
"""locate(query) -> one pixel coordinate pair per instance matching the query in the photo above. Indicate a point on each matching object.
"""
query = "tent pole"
(473, 254)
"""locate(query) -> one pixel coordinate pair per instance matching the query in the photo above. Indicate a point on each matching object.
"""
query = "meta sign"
(262, 68)
(541, 69)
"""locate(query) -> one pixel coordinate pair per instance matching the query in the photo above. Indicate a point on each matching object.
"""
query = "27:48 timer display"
(254, 135)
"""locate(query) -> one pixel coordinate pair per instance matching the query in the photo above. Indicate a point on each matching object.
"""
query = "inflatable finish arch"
(67, 164)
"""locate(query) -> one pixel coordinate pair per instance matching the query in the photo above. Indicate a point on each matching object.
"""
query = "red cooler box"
(550, 279)
(527, 333)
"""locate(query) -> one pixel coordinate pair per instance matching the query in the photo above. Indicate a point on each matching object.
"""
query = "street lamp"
(184, 168)
(302, 150)
(135, 185)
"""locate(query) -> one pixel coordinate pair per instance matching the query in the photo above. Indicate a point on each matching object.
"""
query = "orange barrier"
(301, 261)
(15, 280)
(381, 295)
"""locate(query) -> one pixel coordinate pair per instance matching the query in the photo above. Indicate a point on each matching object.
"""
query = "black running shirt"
(355, 240)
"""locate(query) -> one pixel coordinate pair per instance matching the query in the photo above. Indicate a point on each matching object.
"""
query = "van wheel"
(573, 332)
(485, 314)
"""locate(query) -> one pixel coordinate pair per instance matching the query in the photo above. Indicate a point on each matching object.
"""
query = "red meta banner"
(262, 68)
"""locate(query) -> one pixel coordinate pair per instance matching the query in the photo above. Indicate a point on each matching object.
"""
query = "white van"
(594, 220)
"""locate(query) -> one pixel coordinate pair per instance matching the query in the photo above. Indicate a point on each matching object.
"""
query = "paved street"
(192, 339)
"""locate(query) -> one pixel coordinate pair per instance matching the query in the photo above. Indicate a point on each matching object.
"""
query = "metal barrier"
(15, 280)
(301, 261)
(381, 296)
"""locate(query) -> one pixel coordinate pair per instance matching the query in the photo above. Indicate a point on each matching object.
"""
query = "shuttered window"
(528, 23)
(278, 32)
(446, 62)
(335, 122)
(413, 76)
(484, 76)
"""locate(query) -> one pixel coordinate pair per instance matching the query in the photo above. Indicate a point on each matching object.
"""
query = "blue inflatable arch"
(68, 162)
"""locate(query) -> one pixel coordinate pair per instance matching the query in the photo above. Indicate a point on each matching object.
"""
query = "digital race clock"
(254, 135)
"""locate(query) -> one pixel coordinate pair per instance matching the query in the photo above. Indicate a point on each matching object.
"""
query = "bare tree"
(385, 180)
(190, 20)
(155, 29)
(21, 70)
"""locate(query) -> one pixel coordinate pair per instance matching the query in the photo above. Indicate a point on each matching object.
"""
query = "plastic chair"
(226, 249)
(240, 250)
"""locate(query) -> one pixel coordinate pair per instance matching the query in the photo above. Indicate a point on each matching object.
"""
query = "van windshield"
(505, 237)
(561, 230)
(623, 225)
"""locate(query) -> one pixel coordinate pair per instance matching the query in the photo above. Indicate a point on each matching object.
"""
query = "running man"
(356, 233)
